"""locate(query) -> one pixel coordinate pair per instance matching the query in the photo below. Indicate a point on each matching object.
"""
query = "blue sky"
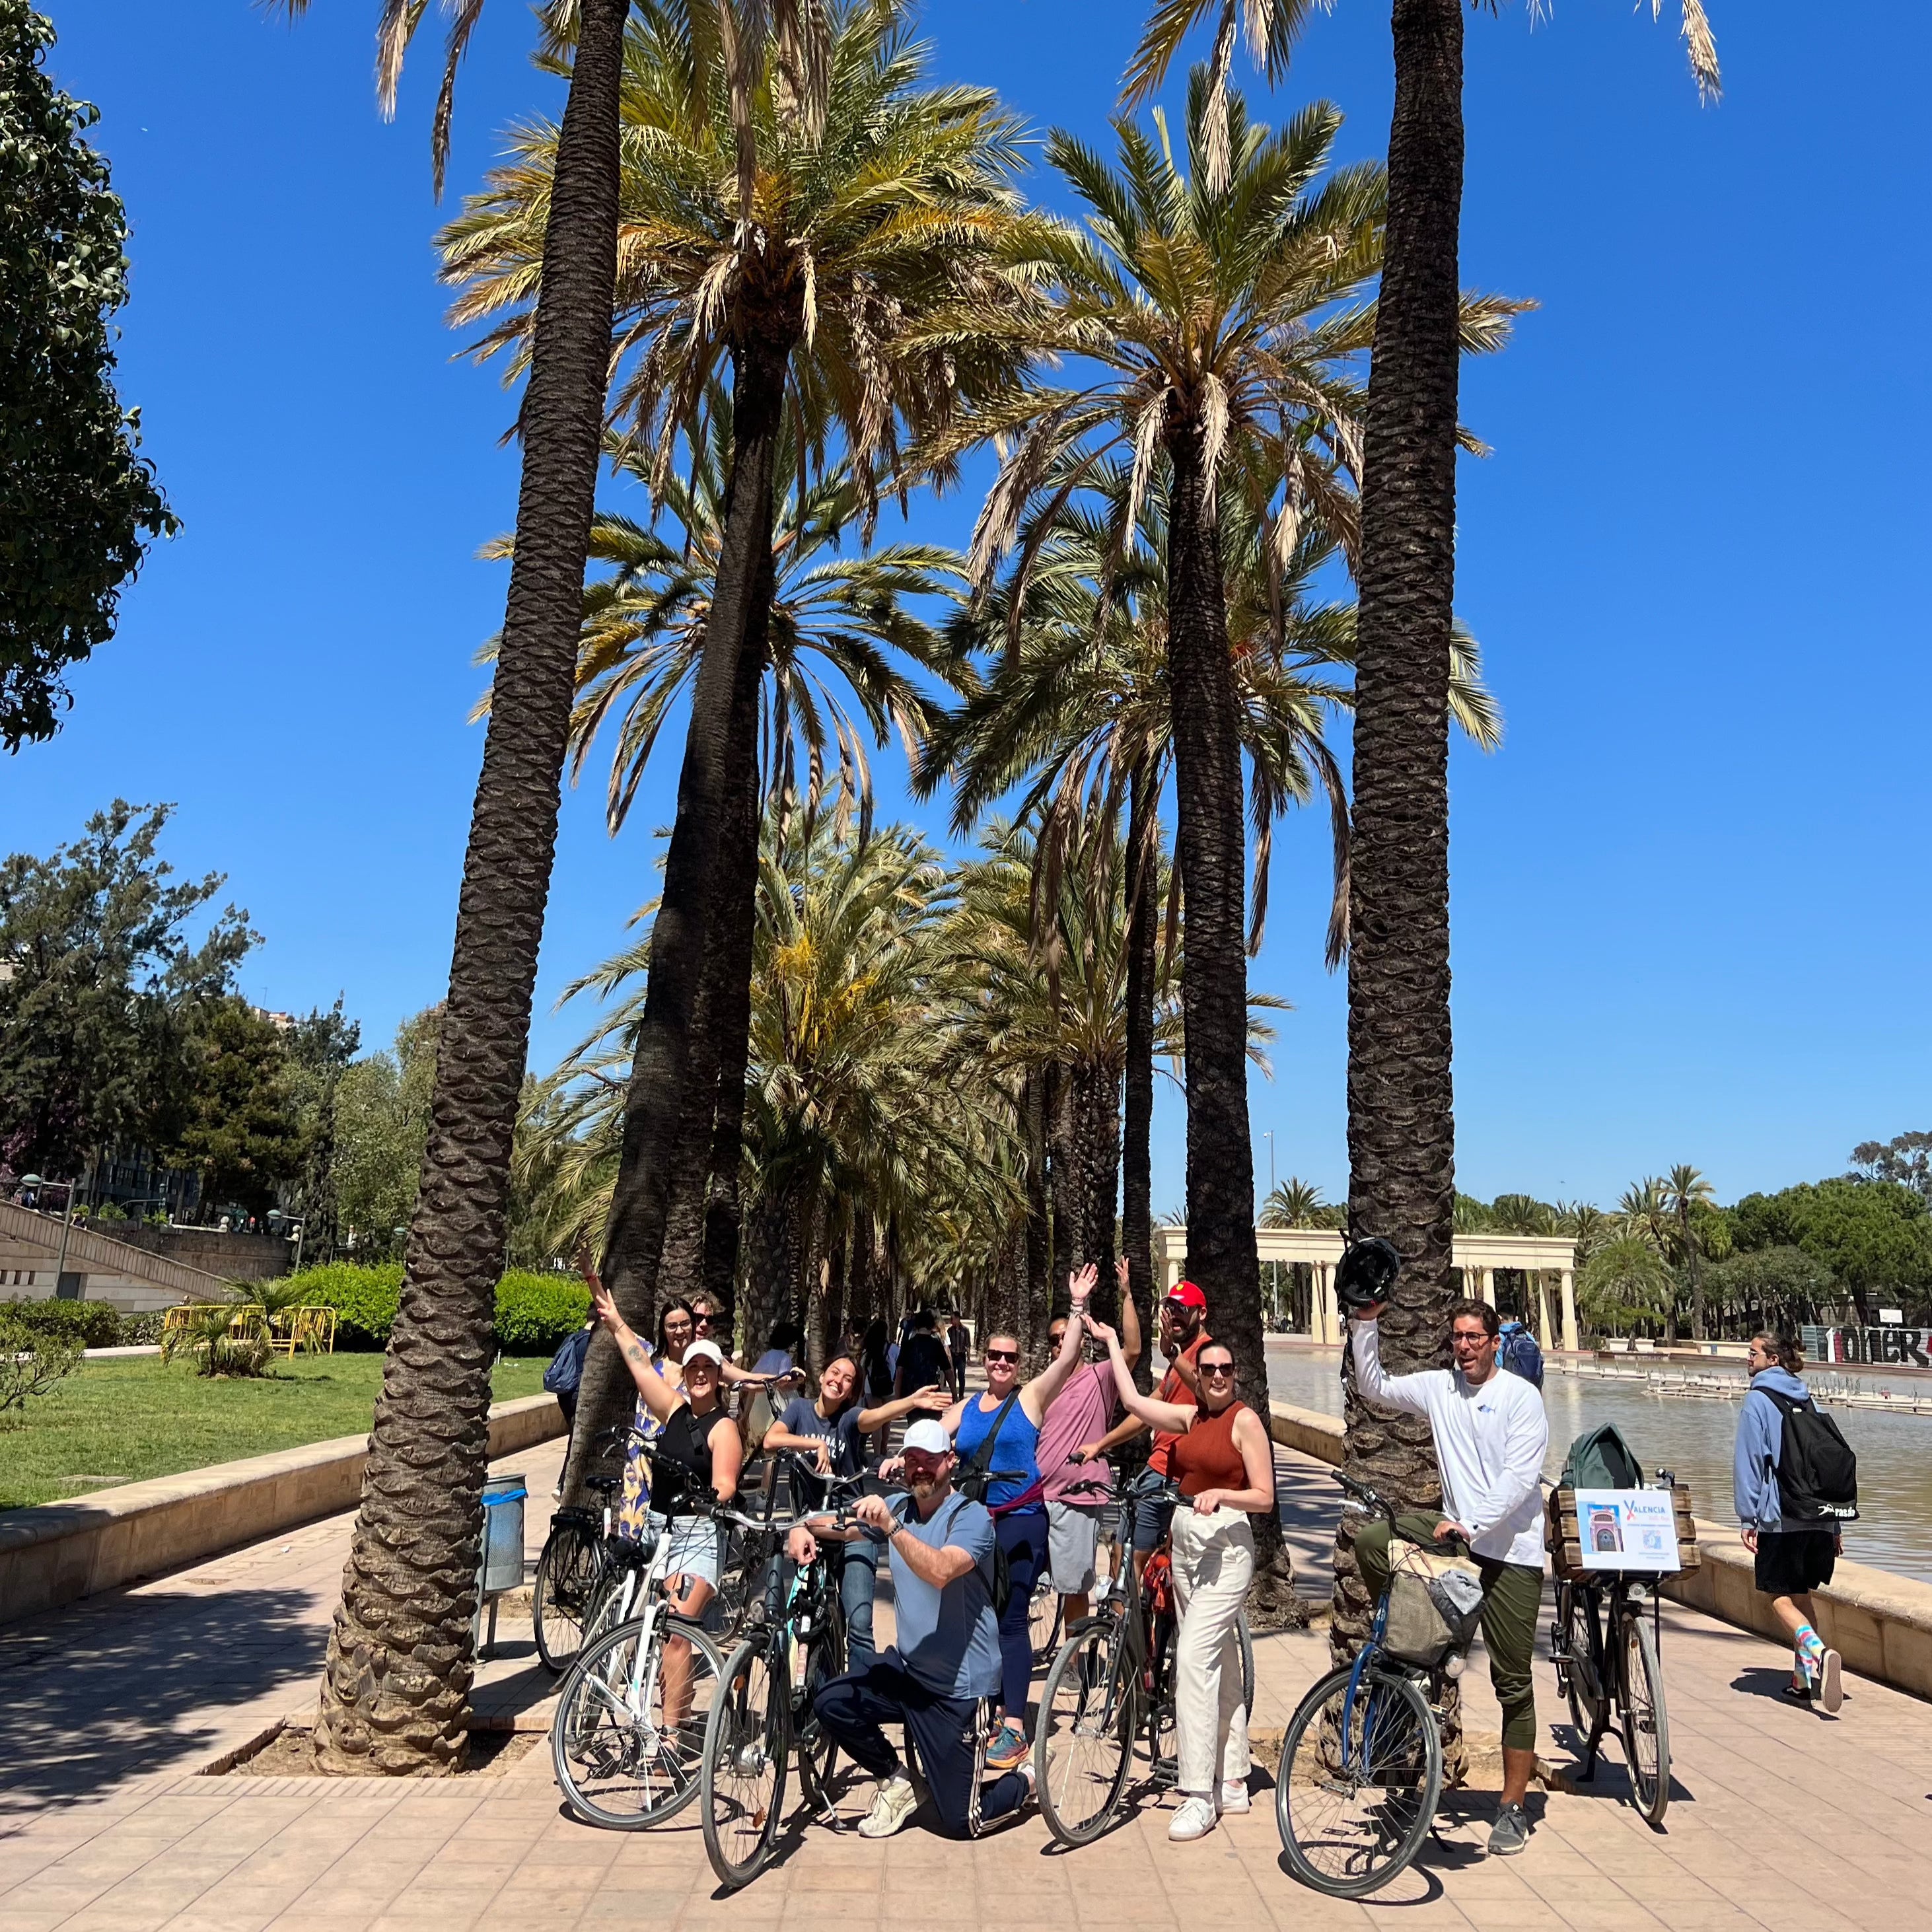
(1687, 922)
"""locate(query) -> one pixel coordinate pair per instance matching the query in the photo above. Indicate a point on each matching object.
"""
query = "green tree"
(238, 1129)
(809, 266)
(1296, 1203)
(1906, 1159)
(1777, 1287)
(1871, 1235)
(77, 503)
(103, 973)
(383, 1105)
(320, 1047)
(1624, 1284)
(1686, 1192)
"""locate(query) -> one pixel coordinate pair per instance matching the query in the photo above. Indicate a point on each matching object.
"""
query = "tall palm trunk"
(1211, 847)
(1066, 1181)
(1100, 1164)
(1036, 1251)
(1137, 1149)
(1401, 1182)
(396, 1688)
(654, 1109)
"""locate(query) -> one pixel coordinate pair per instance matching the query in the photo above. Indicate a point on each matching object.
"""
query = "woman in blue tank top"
(1019, 1516)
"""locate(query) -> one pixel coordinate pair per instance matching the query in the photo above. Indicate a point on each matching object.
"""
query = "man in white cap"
(945, 1657)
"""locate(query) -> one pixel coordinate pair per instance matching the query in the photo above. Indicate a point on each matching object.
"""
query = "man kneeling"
(946, 1657)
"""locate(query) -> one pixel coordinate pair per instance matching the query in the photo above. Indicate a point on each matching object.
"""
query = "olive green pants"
(1512, 1603)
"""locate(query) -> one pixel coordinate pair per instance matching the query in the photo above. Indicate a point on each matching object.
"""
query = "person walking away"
(945, 1656)
(698, 1444)
(1517, 1353)
(923, 1360)
(1491, 1436)
(1077, 1419)
(997, 1431)
(563, 1378)
(958, 1342)
(1183, 1334)
(1221, 1458)
(831, 1430)
(1794, 1543)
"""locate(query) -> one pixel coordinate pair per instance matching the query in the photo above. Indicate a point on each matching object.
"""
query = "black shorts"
(1790, 1561)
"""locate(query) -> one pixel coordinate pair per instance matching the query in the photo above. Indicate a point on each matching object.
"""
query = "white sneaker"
(1234, 1796)
(1195, 1819)
(1830, 1684)
(895, 1802)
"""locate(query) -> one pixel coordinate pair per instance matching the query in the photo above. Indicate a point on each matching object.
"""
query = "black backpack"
(975, 1479)
(1817, 1473)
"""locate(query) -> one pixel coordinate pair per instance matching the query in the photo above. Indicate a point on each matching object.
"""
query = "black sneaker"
(1510, 1833)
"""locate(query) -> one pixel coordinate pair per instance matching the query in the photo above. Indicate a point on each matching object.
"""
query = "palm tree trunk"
(395, 1690)
(1401, 1129)
(660, 1067)
(1064, 1186)
(1211, 847)
(1100, 1131)
(1137, 1151)
(1036, 1254)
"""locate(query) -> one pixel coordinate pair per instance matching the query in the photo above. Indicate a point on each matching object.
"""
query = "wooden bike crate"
(1563, 1538)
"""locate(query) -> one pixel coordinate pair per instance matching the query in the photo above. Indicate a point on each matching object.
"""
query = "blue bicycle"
(1361, 1762)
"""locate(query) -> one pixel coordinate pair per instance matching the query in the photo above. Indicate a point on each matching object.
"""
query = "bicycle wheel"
(1359, 1780)
(1646, 1728)
(1577, 1619)
(1163, 1736)
(627, 1740)
(747, 1748)
(1083, 1740)
(566, 1580)
(817, 1749)
(1247, 1663)
(1043, 1619)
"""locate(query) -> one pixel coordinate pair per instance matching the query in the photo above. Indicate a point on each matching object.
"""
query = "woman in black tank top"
(699, 1441)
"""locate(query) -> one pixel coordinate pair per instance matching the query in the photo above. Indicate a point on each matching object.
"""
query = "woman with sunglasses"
(999, 1430)
(1223, 1462)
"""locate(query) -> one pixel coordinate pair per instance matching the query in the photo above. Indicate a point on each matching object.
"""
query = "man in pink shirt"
(1076, 1420)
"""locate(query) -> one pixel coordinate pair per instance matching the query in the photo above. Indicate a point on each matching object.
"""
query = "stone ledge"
(1881, 1624)
(56, 1552)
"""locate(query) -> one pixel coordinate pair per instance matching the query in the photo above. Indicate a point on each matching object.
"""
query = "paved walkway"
(1779, 1818)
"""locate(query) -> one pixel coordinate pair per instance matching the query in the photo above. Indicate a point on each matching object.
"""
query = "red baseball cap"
(1188, 1295)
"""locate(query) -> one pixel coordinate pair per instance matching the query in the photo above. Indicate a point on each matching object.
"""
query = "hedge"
(94, 1325)
(534, 1312)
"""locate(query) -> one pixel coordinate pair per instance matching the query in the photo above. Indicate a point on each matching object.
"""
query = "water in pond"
(1694, 1438)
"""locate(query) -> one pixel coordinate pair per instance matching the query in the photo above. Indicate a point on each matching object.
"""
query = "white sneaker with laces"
(895, 1802)
(1195, 1819)
(1234, 1796)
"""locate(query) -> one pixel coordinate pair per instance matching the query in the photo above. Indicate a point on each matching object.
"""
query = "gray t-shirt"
(949, 1639)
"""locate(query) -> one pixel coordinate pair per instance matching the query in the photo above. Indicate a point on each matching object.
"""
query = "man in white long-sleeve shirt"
(1491, 1436)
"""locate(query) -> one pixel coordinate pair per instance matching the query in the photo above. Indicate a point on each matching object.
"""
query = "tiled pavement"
(1779, 1818)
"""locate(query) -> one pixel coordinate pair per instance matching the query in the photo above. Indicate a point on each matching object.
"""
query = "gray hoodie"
(1760, 1439)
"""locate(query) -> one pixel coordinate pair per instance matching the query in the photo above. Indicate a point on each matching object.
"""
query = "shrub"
(87, 1324)
(534, 1312)
(32, 1360)
(144, 1330)
(537, 1313)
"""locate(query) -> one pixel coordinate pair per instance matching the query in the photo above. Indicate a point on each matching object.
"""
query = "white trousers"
(1213, 1564)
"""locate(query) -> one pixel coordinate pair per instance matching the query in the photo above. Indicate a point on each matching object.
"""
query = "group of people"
(1012, 1482)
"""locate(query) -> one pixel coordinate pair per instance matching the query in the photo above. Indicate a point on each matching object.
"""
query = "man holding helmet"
(1491, 1434)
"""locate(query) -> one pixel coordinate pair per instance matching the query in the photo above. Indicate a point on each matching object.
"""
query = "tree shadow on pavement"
(130, 1682)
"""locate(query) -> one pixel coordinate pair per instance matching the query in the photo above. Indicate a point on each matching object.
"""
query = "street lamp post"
(34, 1181)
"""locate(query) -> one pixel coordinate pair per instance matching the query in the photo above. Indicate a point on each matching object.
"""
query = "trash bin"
(503, 1498)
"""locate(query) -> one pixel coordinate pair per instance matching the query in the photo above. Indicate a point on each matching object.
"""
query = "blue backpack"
(1516, 1351)
(566, 1366)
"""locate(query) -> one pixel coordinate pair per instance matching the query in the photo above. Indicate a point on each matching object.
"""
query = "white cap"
(709, 1350)
(928, 1436)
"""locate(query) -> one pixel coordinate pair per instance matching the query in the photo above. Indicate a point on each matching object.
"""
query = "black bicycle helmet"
(1366, 1274)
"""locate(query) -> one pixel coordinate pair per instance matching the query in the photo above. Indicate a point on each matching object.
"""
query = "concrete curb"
(55, 1553)
(1879, 1623)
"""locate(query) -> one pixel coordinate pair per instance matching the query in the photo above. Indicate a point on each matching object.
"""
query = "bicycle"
(1605, 1651)
(570, 1574)
(1361, 1760)
(1112, 1683)
(767, 1713)
(627, 1739)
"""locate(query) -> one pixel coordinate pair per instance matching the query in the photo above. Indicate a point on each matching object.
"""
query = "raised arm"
(660, 1396)
(1403, 1392)
(1130, 1316)
(1167, 1415)
(1037, 1396)
(931, 1400)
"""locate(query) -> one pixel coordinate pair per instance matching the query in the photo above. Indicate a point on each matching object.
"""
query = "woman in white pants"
(1225, 1465)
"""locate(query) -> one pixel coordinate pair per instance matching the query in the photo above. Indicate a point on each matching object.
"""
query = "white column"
(1546, 1335)
(1173, 1278)
(1570, 1309)
(1486, 1284)
(1326, 1328)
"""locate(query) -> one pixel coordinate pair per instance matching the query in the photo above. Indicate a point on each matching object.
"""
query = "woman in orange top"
(1224, 1463)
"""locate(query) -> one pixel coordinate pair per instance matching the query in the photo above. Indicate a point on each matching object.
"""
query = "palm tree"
(806, 249)
(1296, 1203)
(1685, 1191)
(1624, 1281)
(395, 1691)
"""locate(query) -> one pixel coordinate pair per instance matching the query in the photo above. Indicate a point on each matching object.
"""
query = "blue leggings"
(1023, 1537)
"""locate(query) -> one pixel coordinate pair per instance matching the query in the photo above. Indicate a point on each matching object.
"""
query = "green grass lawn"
(134, 1418)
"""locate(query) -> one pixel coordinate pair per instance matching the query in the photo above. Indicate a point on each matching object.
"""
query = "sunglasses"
(704, 1317)
(1002, 1354)
(1217, 1368)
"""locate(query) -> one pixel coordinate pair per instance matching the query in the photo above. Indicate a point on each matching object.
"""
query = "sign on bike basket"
(1627, 1529)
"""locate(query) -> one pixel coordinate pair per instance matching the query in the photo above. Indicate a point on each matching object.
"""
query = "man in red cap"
(1183, 1334)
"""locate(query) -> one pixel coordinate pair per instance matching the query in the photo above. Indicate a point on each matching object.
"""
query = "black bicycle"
(1604, 1643)
(576, 1561)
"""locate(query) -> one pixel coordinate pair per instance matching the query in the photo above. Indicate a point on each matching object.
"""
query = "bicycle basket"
(1434, 1605)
